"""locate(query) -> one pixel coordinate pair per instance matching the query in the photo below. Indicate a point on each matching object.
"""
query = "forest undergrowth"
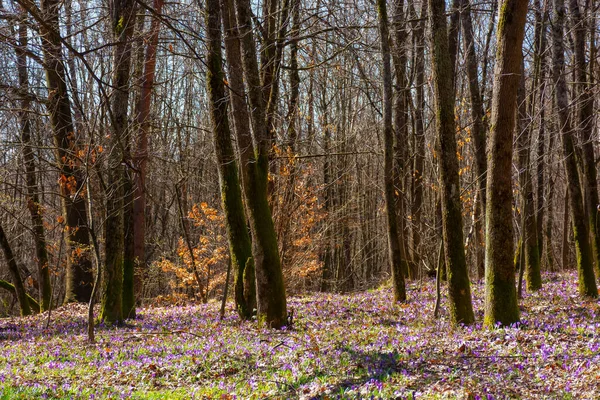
(339, 346)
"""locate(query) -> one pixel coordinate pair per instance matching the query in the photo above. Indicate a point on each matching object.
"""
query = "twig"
(188, 242)
(438, 278)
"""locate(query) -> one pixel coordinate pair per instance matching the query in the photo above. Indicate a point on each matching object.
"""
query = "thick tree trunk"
(131, 281)
(500, 292)
(245, 277)
(585, 128)
(397, 261)
(123, 22)
(271, 300)
(140, 157)
(400, 129)
(585, 262)
(231, 194)
(13, 268)
(461, 309)
(79, 276)
(33, 200)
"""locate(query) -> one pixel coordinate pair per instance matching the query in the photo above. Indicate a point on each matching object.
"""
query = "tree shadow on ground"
(413, 375)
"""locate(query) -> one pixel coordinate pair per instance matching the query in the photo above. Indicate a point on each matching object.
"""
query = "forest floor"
(341, 346)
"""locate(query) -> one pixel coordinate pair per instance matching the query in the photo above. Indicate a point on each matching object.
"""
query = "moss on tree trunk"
(587, 280)
(111, 308)
(459, 292)
(394, 234)
(231, 193)
(500, 292)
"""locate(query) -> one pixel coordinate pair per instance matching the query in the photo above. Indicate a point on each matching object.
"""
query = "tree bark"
(419, 132)
(33, 199)
(500, 292)
(585, 128)
(529, 240)
(400, 129)
(461, 309)
(479, 127)
(271, 300)
(33, 304)
(585, 262)
(397, 262)
(539, 84)
(15, 274)
(231, 194)
(79, 276)
(123, 22)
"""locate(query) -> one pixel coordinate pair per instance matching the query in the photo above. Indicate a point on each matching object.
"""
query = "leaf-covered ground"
(354, 346)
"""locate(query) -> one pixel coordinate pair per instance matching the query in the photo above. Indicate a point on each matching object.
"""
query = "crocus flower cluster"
(360, 345)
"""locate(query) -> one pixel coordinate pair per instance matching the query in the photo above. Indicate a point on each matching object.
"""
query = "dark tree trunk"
(15, 274)
(231, 193)
(400, 129)
(33, 200)
(294, 78)
(478, 130)
(123, 22)
(461, 309)
(245, 278)
(585, 262)
(500, 292)
(585, 126)
(529, 240)
(79, 276)
(539, 84)
(419, 132)
(270, 289)
(397, 262)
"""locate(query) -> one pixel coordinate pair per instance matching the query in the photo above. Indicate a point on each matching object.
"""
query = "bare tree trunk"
(294, 78)
(271, 300)
(140, 154)
(500, 292)
(123, 23)
(327, 274)
(478, 131)
(400, 129)
(13, 268)
(245, 278)
(585, 128)
(539, 84)
(33, 304)
(79, 276)
(231, 193)
(585, 262)
(419, 156)
(131, 281)
(564, 252)
(486, 51)
(459, 292)
(529, 240)
(33, 200)
(397, 262)
(453, 39)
